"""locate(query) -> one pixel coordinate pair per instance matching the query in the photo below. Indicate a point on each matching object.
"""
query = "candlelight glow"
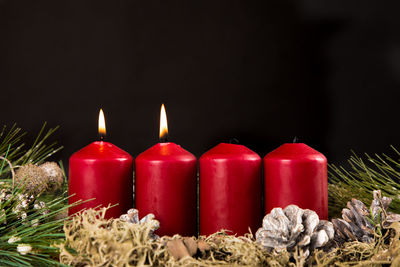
(102, 124)
(163, 123)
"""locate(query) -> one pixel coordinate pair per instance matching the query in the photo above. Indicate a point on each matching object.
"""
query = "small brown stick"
(177, 249)
(203, 246)
(381, 204)
(12, 170)
(191, 245)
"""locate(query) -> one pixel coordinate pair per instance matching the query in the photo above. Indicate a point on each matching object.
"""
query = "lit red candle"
(102, 172)
(296, 174)
(165, 180)
(230, 190)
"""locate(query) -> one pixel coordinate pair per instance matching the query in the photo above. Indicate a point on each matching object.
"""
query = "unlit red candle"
(295, 173)
(102, 172)
(230, 190)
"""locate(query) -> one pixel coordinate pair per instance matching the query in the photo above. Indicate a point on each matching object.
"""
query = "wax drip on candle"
(102, 125)
(163, 125)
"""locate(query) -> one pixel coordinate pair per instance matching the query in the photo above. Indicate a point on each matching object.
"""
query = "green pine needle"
(361, 177)
(13, 148)
(42, 238)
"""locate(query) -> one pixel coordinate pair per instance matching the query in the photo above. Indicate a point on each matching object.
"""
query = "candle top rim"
(294, 151)
(166, 151)
(226, 150)
(99, 150)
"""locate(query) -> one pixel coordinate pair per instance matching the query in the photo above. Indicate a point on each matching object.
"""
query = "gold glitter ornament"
(55, 176)
(47, 177)
(32, 177)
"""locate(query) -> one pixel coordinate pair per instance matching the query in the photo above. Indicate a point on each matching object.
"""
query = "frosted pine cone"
(293, 226)
(358, 223)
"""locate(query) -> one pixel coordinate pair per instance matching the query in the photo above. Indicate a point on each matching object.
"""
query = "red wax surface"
(296, 174)
(104, 172)
(165, 183)
(230, 190)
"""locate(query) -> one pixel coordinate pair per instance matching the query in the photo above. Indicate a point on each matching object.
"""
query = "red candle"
(165, 180)
(104, 172)
(230, 190)
(296, 174)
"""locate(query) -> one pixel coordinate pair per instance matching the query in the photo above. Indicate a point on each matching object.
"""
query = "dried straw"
(92, 240)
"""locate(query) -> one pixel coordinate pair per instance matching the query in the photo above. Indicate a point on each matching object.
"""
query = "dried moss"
(92, 240)
(231, 250)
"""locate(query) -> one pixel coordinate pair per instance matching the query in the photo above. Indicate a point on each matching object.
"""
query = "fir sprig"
(361, 177)
(12, 146)
(27, 237)
(39, 231)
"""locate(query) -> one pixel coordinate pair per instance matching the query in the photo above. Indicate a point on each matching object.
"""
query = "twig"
(12, 170)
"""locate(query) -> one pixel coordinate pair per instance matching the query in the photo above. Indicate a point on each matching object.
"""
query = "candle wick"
(234, 141)
(164, 139)
(295, 139)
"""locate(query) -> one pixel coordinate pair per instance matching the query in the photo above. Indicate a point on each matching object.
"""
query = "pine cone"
(358, 222)
(293, 226)
(132, 216)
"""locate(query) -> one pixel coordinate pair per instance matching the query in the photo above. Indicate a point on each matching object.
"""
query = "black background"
(258, 71)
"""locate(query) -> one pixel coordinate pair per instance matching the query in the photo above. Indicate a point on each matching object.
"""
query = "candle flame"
(163, 123)
(102, 124)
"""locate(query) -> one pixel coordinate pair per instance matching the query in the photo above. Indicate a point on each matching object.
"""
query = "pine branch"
(361, 177)
(12, 147)
(30, 226)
